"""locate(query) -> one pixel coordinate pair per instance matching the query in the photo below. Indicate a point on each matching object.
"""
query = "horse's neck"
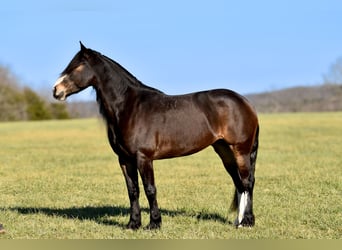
(111, 97)
(126, 75)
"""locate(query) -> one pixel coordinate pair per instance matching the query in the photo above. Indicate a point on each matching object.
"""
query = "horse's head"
(77, 76)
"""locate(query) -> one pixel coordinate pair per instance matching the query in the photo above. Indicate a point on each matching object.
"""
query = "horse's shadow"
(104, 214)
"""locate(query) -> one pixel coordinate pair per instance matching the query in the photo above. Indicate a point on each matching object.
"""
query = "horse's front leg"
(145, 167)
(130, 172)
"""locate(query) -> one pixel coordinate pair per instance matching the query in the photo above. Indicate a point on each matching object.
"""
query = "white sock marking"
(243, 205)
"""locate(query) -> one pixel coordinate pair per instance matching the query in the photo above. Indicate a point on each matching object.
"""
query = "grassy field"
(60, 179)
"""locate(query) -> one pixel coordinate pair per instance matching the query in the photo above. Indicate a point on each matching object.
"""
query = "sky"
(176, 46)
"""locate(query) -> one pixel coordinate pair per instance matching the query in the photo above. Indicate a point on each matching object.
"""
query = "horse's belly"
(178, 140)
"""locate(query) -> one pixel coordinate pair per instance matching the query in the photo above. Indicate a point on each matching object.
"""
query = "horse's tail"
(254, 153)
(253, 157)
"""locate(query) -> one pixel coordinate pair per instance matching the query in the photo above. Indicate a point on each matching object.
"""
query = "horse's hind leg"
(246, 155)
(244, 193)
(239, 168)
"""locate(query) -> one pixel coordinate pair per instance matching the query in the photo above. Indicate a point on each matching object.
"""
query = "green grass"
(60, 179)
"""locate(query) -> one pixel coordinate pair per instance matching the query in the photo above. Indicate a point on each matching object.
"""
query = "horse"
(145, 124)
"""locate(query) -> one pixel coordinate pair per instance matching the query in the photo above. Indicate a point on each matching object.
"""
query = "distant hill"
(326, 97)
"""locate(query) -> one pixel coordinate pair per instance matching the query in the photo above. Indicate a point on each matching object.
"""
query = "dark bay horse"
(144, 124)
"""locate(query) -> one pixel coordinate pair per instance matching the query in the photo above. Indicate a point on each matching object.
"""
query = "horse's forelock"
(74, 63)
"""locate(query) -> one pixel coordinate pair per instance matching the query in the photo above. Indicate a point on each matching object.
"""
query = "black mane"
(110, 67)
(124, 73)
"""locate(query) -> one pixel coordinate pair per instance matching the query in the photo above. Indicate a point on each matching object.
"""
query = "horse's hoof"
(133, 225)
(247, 221)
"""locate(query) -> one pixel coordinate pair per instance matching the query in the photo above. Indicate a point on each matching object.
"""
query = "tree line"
(326, 96)
(22, 103)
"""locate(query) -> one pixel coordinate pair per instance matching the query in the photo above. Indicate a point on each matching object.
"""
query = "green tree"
(36, 108)
(59, 111)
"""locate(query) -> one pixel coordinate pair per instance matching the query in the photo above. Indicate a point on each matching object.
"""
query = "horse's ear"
(83, 48)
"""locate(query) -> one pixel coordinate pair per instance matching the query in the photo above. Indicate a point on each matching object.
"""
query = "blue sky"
(177, 46)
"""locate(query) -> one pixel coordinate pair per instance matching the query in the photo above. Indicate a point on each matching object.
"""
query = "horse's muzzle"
(59, 95)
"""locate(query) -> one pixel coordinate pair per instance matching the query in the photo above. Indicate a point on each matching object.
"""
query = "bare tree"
(12, 103)
(334, 74)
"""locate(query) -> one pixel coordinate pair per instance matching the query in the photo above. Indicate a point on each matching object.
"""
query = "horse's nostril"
(59, 95)
(54, 90)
